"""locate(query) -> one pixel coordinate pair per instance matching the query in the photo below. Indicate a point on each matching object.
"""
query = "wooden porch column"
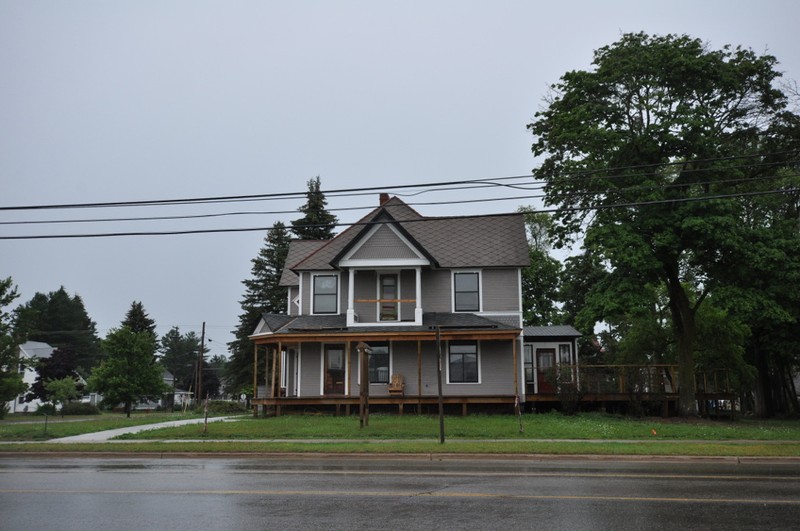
(272, 380)
(419, 377)
(516, 369)
(255, 378)
(279, 363)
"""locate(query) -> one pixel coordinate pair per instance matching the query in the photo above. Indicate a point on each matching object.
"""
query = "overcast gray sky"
(126, 101)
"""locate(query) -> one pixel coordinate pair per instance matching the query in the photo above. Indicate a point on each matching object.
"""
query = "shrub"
(46, 409)
(225, 407)
(79, 408)
(3, 410)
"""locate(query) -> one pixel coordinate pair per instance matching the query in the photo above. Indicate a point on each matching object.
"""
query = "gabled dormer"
(384, 267)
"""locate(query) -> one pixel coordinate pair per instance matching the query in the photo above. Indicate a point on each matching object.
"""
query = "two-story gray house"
(402, 288)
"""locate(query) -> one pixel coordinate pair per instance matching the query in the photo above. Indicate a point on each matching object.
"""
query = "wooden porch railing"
(656, 379)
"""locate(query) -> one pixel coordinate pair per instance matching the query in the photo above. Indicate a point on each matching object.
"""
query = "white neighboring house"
(30, 353)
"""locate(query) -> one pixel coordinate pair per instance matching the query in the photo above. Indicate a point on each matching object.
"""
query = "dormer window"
(466, 291)
(326, 294)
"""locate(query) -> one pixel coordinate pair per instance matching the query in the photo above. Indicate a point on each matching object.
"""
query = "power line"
(263, 229)
(491, 182)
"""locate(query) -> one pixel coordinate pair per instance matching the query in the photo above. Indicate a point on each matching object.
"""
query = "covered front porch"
(308, 369)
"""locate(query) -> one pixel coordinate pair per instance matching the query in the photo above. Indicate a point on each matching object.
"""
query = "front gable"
(383, 244)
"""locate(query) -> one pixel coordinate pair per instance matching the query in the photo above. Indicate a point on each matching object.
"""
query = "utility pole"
(439, 379)
(200, 363)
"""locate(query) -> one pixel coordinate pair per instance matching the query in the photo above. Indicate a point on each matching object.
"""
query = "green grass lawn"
(40, 428)
(491, 427)
(553, 434)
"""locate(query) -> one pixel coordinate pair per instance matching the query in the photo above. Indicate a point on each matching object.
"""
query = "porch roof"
(275, 328)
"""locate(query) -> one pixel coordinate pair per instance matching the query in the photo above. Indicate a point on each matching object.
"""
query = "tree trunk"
(763, 399)
(683, 324)
(128, 407)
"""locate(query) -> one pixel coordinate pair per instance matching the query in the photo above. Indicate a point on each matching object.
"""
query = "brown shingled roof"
(468, 241)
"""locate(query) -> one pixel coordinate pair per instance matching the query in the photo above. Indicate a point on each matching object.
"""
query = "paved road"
(276, 492)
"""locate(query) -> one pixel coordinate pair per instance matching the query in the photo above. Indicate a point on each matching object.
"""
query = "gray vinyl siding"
(384, 244)
(293, 292)
(436, 291)
(365, 286)
(501, 290)
(496, 369)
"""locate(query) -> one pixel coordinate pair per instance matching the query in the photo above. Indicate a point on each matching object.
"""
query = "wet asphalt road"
(273, 492)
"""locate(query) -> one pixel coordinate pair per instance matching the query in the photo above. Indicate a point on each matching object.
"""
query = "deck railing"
(655, 379)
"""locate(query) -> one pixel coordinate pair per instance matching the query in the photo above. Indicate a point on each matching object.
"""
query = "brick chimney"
(384, 198)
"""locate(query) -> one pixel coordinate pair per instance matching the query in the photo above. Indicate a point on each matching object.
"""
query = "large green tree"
(61, 321)
(317, 222)
(11, 383)
(646, 153)
(262, 295)
(540, 280)
(130, 371)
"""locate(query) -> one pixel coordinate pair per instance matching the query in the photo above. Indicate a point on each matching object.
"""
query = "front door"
(334, 370)
(545, 373)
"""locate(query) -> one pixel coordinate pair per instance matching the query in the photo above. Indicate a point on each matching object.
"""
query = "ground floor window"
(462, 362)
(379, 364)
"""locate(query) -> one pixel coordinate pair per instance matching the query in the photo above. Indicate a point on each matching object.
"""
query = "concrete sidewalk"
(105, 436)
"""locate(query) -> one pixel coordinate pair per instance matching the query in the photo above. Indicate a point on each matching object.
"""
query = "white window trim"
(338, 292)
(453, 290)
(396, 273)
(480, 375)
(346, 361)
(391, 367)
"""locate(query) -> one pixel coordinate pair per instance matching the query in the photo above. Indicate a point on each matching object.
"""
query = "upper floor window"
(326, 294)
(466, 291)
(388, 297)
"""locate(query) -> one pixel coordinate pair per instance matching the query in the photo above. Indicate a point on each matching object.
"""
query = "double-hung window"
(466, 291)
(462, 362)
(326, 294)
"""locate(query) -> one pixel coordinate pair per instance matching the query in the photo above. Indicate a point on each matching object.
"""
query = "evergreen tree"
(179, 356)
(61, 364)
(60, 321)
(11, 383)
(137, 319)
(317, 223)
(262, 295)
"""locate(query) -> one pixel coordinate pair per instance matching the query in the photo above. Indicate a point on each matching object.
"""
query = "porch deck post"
(255, 377)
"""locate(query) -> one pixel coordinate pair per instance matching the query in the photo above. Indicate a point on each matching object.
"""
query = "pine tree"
(62, 322)
(137, 319)
(262, 295)
(317, 223)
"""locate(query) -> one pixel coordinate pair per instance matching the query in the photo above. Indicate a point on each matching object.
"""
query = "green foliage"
(137, 319)
(79, 408)
(226, 407)
(630, 146)
(130, 371)
(179, 356)
(60, 364)
(317, 223)
(61, 321)
(46, 409)
(263, 294)
(11, 383)
(62, 391)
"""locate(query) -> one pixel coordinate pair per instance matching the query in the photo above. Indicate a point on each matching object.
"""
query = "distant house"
(30, 353)
(401, 287)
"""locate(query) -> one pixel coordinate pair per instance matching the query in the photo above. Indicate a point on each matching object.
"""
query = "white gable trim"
(348, 261)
